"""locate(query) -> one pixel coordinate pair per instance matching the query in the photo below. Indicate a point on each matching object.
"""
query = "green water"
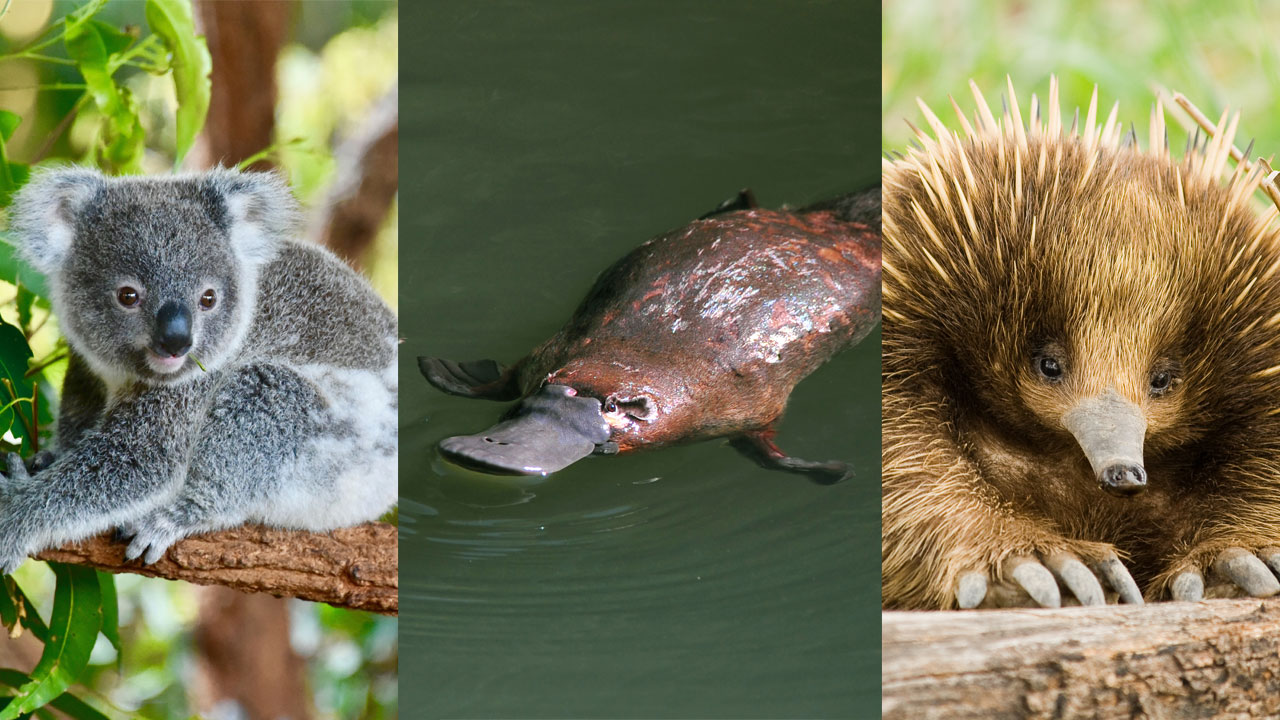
(540, 143)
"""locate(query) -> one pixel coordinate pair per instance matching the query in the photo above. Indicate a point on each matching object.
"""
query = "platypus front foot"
(759, 446)
(1040, 581)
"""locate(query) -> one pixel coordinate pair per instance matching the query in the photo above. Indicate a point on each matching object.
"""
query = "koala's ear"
(259, 212)
(45, 211)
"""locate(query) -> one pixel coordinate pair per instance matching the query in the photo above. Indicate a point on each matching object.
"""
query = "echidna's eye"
(1050, 368)
(127, 296)
(1160, 382)
(208, 299)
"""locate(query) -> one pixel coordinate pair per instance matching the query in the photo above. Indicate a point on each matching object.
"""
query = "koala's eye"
(1050, 368)
(208, 299)
(127, 296)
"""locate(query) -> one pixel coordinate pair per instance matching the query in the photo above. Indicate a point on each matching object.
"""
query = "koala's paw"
(1040, 581)
(15, 471)
(39, 461)
(149, 538)
(1233, 572)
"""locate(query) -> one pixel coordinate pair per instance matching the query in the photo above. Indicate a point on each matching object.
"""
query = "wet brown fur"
(1003, 239)
(716, 322)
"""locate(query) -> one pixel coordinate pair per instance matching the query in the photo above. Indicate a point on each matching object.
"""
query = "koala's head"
(146, 272)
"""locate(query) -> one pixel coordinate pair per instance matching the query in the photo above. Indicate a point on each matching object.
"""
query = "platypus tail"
(860, 207)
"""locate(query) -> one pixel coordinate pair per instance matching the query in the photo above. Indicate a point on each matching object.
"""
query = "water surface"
(539, 144)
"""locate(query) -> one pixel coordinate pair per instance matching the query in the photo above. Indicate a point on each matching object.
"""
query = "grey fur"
(293, 423)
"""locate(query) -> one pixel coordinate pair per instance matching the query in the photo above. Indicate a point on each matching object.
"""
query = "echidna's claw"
(1039, 581)
(1035, 579)
(1118, 577)
(971, 590)
(1188, 586)
(1247, 571)
(1077, 577)
(1271, 556)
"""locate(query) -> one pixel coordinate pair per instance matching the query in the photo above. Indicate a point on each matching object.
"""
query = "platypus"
(701, 332)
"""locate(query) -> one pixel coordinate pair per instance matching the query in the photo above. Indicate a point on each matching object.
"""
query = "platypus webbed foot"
(1040, 581)
(759, 446)
(473, 378)
(1234, 572)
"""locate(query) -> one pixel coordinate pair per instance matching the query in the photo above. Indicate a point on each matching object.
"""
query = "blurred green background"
(1218, 54)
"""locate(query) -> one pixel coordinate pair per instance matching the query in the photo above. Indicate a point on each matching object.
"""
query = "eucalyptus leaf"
(110, 610)
(25, 300)
(8, 608)
(73, 629)
(31, 619)
(123, 143)
(171, 20)
(9, 122)
(113, 39)
(14, 354)
(16, 272)
(66, 703)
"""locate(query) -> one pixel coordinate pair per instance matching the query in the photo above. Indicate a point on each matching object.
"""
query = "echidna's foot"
(1236, 571)
(1032, 581)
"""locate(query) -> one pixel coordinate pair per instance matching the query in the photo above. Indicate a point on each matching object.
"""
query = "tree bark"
(1213, 659)
(268, 677)
(244, 38)
(352, 568)
(365, 184)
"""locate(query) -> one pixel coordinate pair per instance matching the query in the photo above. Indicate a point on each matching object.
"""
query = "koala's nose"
(173, 329)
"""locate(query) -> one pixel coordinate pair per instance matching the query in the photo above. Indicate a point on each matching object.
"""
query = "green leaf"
(110, 610)
(171, 20)
(16, 272)
(67, 703)
(14, 353)
(8, 610)
(12, 175)
(73, 628)
(113, 39)
(25, 300)
(9, 122)
(122, 144)
(31, 618)
(10, 181)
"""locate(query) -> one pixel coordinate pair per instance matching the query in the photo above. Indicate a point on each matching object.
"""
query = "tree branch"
(352, 568)
(365, 184)
(1217, 658)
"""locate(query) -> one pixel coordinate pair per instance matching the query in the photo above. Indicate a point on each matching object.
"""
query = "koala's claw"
(40, 461)
(14, 467)
(1043, 582)
(145, 548)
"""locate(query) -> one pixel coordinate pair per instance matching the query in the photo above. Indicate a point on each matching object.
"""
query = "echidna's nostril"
(1123, 479)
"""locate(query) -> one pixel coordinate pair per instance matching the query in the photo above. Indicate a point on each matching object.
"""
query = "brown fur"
(1008, 238)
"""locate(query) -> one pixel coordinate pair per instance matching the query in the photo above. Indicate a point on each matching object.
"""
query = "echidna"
(1081, 364)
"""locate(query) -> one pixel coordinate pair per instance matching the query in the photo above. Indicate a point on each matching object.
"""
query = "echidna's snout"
(1124, 479)
(1110, 430)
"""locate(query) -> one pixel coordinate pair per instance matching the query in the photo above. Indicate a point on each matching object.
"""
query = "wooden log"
(1212, 659)
(351, 568)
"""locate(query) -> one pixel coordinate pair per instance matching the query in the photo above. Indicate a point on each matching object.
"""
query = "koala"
(221, 372)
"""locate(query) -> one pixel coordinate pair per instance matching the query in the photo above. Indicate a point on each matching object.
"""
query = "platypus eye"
(1161, 381)
(610, 406)
(1050, 368)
